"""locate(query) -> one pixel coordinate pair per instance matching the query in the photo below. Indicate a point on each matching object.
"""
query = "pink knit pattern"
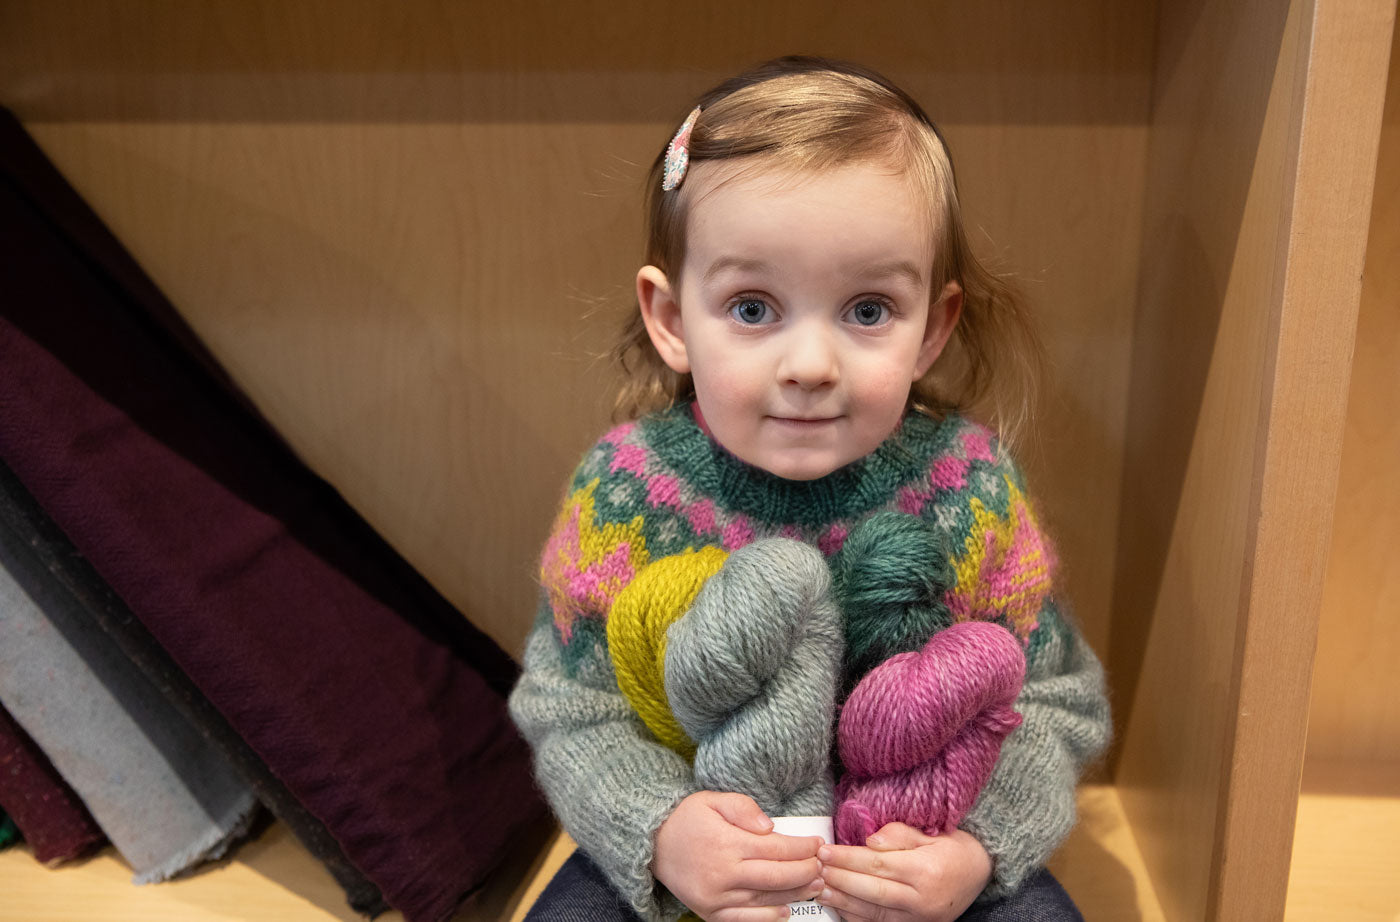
(921, 733)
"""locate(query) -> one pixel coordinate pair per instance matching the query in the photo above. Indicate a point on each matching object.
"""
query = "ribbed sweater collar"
(677, 438)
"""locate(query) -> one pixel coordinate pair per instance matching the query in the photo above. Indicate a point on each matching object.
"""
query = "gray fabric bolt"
(163, 795)
(751, 675)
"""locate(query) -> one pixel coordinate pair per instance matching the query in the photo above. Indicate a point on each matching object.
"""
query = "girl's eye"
(869, 313)
(750, 311)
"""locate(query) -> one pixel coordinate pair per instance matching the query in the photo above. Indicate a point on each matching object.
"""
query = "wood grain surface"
(1264, 131)
(1355, 714)
(409, 229)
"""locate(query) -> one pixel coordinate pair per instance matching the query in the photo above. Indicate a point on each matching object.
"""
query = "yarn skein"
(920, 734)
(889, 579)
(661, 592)
(751, 674)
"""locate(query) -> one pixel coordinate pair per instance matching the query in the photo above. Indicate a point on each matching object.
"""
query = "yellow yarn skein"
(658, 595)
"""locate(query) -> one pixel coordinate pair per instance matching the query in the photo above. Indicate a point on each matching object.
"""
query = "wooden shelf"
(273, 879)
(1346, 845)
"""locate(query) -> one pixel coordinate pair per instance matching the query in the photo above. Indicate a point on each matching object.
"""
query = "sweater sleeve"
(610, 784)
(1003, 566)
(1027, 807)
(609, 781)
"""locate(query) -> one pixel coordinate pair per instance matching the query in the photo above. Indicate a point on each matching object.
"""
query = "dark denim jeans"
(580, 893)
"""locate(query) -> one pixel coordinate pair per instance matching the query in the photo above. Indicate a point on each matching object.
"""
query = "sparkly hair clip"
(678, 153)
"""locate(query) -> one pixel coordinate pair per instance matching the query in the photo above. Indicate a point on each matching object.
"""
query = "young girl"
(807, 265)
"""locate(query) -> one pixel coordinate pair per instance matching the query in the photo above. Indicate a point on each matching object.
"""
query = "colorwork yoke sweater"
(661, 486)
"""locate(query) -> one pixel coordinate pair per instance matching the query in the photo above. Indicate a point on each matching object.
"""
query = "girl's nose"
(810, 360)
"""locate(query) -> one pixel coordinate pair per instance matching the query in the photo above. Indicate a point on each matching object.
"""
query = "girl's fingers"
(752, 914)
(850, 908)
(897, 836)
(740, 810)
(862, 860)
(800, 894)
(887, 892)
(777, 847)
(776, 875)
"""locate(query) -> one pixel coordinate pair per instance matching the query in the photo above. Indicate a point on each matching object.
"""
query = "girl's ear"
(661, 312)
(943, 316)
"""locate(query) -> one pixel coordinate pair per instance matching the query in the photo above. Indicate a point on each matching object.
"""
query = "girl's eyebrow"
(740, 263)
(895, 268)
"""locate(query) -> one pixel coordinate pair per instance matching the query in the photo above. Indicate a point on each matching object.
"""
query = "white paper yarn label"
(808, 910)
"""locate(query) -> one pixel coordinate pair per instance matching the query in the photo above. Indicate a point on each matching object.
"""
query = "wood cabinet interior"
(1349, 811)
(409, 230)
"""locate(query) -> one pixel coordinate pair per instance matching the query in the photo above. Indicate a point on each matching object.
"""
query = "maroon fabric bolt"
(26, 522)
(365, 692)
(50, 815)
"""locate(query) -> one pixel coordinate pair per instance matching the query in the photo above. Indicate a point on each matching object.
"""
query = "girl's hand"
(718, 854)
(902, 874)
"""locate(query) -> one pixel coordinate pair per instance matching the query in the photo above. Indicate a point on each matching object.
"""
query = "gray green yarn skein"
(751, 675)
(889, 579)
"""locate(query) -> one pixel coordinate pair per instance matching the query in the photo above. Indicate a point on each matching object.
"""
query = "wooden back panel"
(407, 229)
(1264, 134)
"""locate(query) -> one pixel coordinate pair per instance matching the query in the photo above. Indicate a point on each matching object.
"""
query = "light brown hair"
(803, 114)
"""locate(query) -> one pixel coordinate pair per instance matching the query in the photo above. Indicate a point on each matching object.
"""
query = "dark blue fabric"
(580, 893)
(1039, 899)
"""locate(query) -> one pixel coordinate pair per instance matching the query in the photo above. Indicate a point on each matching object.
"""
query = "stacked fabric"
(43, 808)
(166, 554)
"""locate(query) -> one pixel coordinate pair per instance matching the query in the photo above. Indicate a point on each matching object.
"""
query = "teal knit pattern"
(932, 528)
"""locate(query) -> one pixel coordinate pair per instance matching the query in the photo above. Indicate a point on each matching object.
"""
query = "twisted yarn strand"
(751, 674)
(637, 621)
(889, 579)
(920, 734)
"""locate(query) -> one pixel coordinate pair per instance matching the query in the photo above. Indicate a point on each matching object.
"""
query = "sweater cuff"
(999, 823)
(1028, 806)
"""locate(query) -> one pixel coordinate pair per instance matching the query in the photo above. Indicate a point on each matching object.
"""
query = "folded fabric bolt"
(21, 515)
(164, 796)
(51, 817)
(377, 705)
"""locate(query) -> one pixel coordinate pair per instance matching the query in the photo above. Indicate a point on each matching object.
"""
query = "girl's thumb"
(741, 810)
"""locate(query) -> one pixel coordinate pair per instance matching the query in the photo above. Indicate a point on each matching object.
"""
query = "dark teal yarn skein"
(889, 579)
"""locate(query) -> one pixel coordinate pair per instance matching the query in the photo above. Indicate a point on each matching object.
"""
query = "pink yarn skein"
(920, 734)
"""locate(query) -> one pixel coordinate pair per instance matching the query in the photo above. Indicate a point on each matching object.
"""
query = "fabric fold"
(22, 516)
(376, 704)
(165, 798)
(49, 815)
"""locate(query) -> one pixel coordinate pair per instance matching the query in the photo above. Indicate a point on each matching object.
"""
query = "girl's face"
(803, 312)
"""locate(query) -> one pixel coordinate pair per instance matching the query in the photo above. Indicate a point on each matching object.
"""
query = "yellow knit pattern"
(637, 623)
(1005, 572)
(584, 566)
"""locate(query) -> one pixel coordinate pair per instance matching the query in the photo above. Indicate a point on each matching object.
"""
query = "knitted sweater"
(660, 486)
